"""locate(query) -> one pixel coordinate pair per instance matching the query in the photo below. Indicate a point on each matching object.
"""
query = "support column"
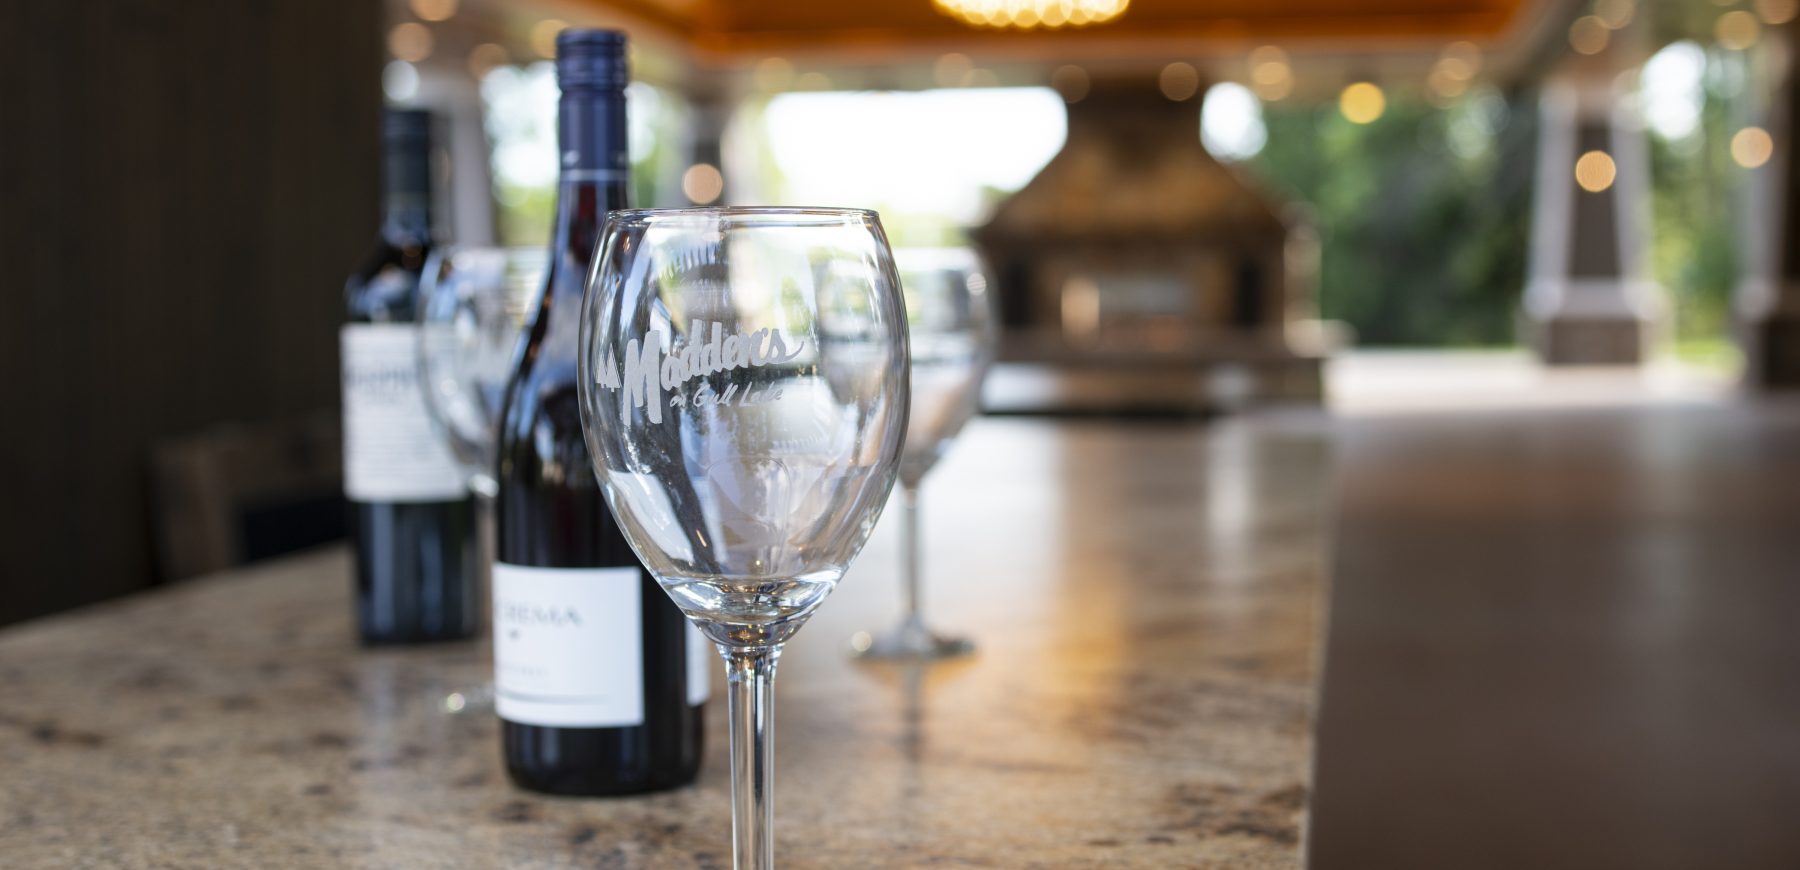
(1768, 297)
(1589, 300)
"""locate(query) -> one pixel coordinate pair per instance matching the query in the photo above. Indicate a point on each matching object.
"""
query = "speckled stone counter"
(1147, 600)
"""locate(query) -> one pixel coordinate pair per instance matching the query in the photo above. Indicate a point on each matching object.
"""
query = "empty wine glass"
(951, 326)
(744, 397)
(473, 305)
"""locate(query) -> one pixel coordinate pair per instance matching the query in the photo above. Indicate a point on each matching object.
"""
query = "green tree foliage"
(1696, 208)
(1423, 214)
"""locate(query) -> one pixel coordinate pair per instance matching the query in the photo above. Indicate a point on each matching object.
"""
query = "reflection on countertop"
(1146, 600)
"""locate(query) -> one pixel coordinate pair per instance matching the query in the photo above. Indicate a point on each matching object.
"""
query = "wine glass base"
(470, 701)
(903, 645)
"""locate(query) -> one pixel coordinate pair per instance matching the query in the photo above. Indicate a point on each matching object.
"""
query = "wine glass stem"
(910, 496)
(750, 674)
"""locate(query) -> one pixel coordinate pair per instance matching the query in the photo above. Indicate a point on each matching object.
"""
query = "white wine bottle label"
(568, 646)
(702, 660)
(392, 453)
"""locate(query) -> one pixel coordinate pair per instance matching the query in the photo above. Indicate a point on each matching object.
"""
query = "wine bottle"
(598, 678)
(411, 516)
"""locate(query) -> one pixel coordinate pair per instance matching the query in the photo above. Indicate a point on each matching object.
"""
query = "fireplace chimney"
(1135, 249)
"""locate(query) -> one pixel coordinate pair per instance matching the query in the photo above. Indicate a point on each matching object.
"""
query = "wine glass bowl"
(744, 398)
(951, 324)
(473, 304)
(754, 425)
(952, 334)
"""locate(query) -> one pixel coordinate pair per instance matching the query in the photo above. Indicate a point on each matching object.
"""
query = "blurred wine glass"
(473, 305)
(950, 322)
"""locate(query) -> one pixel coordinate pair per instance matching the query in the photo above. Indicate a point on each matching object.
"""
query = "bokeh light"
(434, 10)
(1673, 89)
(1231, 122)
(484, 58)
(1777, 11)
(1589, 35)
(948, 70)
(702, 183)
(1615, 13)
(410, 42)
(980, 77)
(1595, 171)
(1465, 51)
(773, 73)
(1071, 81)
(1270, 74)
(1454, 71)
(1445, 87)
(400, 81)
(1752, 147)
(1179, 81)
(543, 36)
(1737, 30)
(1362, 102)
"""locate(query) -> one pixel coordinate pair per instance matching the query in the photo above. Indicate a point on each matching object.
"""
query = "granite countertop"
(1147, 603)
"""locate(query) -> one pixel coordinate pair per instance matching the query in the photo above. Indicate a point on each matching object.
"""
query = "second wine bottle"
(599, 679)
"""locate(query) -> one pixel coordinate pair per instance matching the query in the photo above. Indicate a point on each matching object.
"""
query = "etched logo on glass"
(652, 377)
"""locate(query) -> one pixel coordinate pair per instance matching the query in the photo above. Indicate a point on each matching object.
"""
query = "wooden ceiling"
(754, 28)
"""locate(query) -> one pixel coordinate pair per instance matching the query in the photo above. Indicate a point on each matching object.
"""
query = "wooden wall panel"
(183, 187)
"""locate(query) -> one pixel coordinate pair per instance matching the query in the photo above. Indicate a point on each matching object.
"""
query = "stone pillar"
(1589, 300)
(1768, 297)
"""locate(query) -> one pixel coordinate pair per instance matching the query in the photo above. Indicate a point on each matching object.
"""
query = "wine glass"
(473, 306)
(744, 397)
(951, 326)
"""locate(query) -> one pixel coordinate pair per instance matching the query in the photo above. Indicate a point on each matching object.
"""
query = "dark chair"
(242, 492)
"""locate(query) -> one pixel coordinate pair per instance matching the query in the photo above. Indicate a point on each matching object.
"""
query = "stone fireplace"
(1136, 273)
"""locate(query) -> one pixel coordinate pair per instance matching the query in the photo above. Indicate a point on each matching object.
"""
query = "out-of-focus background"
(1405, 201)
(1539, 259)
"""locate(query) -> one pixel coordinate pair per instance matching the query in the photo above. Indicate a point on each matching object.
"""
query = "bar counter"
(1147, 601)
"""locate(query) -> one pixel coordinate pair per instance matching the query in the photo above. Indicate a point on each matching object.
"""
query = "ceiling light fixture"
(1028, 14)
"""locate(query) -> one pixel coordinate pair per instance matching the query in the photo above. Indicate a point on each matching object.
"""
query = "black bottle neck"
(406, 191)
(596, 171)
